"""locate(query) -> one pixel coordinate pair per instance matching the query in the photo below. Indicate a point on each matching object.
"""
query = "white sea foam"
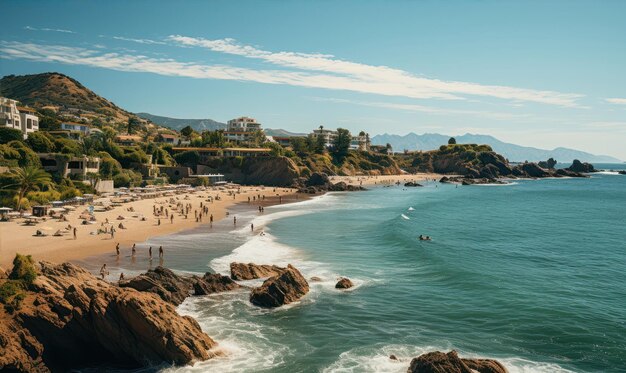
(410, 209)
(497, 184)
(376, 359)
(405, 217)
(607, 173)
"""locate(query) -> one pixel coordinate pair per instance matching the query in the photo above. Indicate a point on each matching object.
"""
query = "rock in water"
(70, 319)
(163, 282)
(412, 184)
(251, 271)
(344, 283)
(212, 283)
(578, 166)
(279, 290)
(439, 362)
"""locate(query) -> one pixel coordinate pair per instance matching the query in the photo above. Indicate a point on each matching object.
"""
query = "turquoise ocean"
(532, 273)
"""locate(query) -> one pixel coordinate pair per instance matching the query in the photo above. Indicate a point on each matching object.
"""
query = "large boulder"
(163, 282)
(282, 289)
(549, 164)
(344, 283)
(212, 283)
(318, 179)
(497, 163)
(531, 169)
(251, 271)
(440, 362)
(70, 319)
(578, 166)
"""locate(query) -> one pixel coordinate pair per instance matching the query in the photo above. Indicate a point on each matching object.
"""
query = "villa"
(74, 166)
(241, 129)
(19, 118)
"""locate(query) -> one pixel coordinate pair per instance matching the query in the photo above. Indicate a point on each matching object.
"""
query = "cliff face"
(273, 171)
(70, 318)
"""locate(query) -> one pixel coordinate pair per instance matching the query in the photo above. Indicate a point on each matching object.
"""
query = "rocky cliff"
(69, 318)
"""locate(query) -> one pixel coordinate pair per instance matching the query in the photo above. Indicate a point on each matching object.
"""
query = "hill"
(282, 132)
(178, 124)
(62, 94)
(513, 152)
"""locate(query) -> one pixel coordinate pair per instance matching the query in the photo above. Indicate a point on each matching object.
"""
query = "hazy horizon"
(545, 75)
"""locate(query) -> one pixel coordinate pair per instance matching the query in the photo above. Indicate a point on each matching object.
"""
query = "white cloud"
(426, 109)
(30, 28)
(140, 41)
(618, 101)
(380, 79)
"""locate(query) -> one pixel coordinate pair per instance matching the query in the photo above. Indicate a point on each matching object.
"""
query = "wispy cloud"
(140, 41)
(425, 109)
(379, 79)
(31, 28)
(615, 100)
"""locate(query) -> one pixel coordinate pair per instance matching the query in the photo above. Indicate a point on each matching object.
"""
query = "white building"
(328, 135)
(241, 129)
(30, 121)
(11, 117)
(356, 143)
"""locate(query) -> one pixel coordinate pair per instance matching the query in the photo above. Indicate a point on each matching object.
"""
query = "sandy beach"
(15, 237)
(385, 179)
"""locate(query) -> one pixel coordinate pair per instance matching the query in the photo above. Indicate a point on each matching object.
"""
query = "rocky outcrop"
(622, 172)
(70, 319)
(251, 271)
(268, 170)
(412, 184)
(530, 169)
(578, 166)
(163, 282)
(439, 362)
(549, 164)
(344, 283)
(319, 182)
(212, 283)
(285, 288)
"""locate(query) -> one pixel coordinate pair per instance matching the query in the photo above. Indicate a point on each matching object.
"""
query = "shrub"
(23, 269)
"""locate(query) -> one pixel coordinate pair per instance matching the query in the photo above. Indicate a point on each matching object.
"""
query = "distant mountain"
(515, 153)
(60, 93)
(178, 124)
(282, 132)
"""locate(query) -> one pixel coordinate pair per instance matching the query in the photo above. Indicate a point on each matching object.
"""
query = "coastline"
(19, 238)
(366, 180)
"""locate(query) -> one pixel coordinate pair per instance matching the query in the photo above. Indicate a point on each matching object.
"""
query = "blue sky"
(537, 73)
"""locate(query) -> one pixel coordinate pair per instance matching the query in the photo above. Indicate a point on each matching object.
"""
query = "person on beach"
(133, 251)
(234, 220)
(211, 219)
(160, 251)
(122, 276)
(117, 249)
(159, 221)
(172, 219)
(252, 227)
(103, 271)
(74, 232)
(150, 252)
(112, 232)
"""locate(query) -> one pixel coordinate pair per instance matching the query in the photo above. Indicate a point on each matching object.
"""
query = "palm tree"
(27, 179)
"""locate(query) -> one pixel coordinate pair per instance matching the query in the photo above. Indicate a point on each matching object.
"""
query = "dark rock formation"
(318, 179)
(163, 282)
(319, 182)
(393, 357)
(439, 362)
(578, 166)
(549, 164)
(251, 271)
(70, 319)
(622, 172)
(530, 169)
(279, 290)
(212, 283)
(445, 179)
(344, 283)
(412, 184)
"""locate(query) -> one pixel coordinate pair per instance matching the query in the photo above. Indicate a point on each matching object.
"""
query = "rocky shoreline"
(498, 171)
(68, 318)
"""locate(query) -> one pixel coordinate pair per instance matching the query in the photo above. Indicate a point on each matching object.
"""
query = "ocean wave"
(607, 173)
(405, 217)
(245, 344)
(376, 359)
(497, 184)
